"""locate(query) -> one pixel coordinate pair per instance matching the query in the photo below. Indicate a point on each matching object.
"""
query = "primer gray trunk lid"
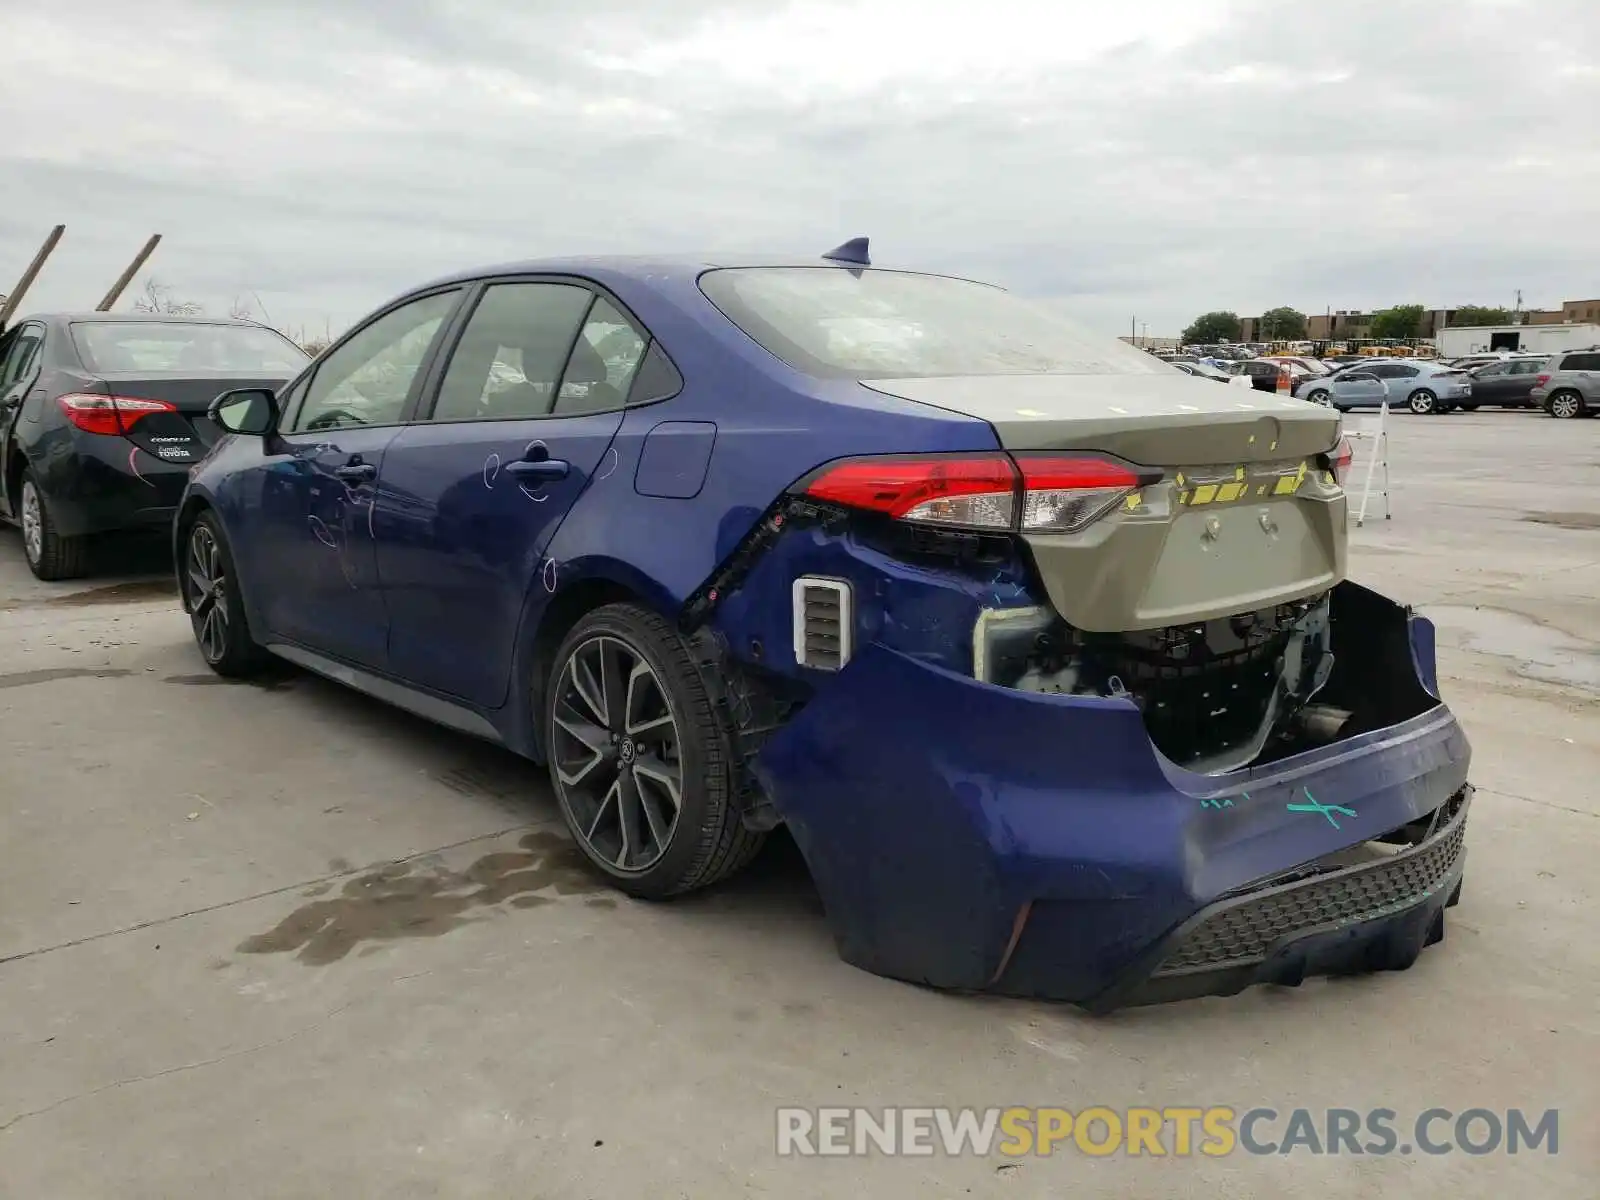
(1242, 519)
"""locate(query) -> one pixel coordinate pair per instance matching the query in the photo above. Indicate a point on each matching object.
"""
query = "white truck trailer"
(1526, 339)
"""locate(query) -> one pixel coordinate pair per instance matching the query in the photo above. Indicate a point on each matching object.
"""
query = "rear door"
(1493, 384)
(311, 533)
(525, 413)
(1524, 373)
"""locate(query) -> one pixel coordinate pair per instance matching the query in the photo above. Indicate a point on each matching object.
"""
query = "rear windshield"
(175, 346)
(867, 324)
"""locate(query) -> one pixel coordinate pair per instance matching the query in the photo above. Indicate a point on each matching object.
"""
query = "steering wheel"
(335, 417)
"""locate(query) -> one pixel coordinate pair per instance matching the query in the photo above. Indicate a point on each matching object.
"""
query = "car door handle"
(358, 472)
(539, 468)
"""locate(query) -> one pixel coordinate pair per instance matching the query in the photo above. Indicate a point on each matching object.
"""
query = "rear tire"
(1565, 405)
(1319, 396)
(1423, 402)
(628, 722)
(216, 605)
(50, 556)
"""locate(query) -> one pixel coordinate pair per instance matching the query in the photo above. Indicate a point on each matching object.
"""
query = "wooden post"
(28, 276)
(126, 277)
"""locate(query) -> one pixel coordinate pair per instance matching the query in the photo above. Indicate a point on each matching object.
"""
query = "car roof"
(658, 269)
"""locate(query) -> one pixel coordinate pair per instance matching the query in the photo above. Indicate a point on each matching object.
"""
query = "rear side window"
(173, 347)
(1581, 362)
(604, 360)
(512, 353)
(838, 322)
(1528, 366)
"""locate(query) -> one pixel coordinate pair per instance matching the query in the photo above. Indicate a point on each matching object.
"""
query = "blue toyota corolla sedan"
(1042, 650)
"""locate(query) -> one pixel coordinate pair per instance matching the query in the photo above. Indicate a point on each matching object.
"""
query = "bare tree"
(158, 298)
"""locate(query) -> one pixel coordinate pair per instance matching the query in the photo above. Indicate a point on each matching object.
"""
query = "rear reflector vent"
(822, 623)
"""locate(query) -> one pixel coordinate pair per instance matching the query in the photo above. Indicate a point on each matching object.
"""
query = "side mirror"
(250, 411)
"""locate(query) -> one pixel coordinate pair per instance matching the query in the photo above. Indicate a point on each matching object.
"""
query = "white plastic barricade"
(1369, 436)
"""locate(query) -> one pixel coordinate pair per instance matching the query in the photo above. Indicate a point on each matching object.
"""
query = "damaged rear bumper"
(975, 837)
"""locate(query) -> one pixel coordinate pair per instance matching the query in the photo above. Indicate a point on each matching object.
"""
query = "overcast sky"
(1149, 158)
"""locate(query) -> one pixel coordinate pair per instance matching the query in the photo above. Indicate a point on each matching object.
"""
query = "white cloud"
(1145, 157)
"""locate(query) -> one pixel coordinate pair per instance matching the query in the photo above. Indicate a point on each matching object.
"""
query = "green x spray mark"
(1327, 810)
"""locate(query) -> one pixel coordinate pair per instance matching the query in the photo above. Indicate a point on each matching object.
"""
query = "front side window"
(368, 378)
(511, 355)
(838, 322)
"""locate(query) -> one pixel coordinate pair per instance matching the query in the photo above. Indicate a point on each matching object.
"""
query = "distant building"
(1347, 324)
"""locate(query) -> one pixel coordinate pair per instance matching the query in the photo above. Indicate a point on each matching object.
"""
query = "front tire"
(1565, 405)
(639, 761)
(216, 606)
(1423, 402)
(50, 556)
(1319, 397)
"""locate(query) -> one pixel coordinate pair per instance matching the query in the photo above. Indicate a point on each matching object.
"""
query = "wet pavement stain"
(1540, 652)
(410, 900)
(1565, 520)
(118, 593)
(50, 674)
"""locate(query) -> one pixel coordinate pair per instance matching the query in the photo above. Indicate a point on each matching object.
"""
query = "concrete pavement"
(276, 940)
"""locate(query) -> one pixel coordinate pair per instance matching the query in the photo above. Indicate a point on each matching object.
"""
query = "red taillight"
(1055, 493)
(1339, 461)
(975, 489)
(110, 415)
(1541, 380)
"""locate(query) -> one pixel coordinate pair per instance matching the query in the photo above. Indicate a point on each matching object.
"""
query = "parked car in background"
(903, 562)
(1569, 384)
(102, 415)
(1203, 371)
(1421, 387)
(1306, 364)
(1336, 361)
(1508, 384)
(1263, 373)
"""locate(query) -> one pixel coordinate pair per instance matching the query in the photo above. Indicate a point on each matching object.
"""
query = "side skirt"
(423, 704)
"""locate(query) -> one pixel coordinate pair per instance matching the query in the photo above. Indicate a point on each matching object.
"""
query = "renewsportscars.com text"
(1178, 1132)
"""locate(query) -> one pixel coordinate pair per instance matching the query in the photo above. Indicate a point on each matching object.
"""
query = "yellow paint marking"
(1180, 478)
(1274, 446)
(1286, 486)
(1183, 497)
(1133, 502)
(1238, 473)
(1252, 440)
(1205, 494)
(1230, 492)
(1262, 490)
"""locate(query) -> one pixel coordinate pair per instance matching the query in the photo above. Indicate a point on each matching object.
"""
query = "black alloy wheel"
(216, 610)
(639, 760)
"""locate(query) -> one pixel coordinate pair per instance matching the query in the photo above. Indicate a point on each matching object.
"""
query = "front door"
(1359, 389)
(20, 353)
(316, 570)
(471, 496)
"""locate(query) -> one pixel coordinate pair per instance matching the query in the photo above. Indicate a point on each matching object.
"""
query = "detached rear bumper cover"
(974, 837)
